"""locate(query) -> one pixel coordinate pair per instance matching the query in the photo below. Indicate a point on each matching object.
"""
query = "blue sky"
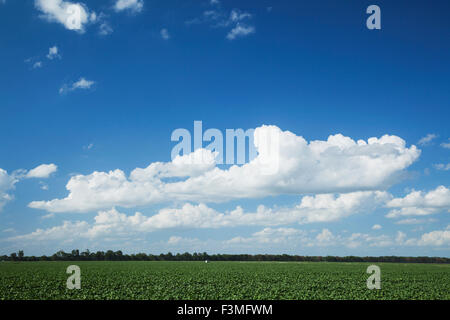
(107, 94)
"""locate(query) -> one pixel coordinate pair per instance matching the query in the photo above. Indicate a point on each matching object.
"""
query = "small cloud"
(445, 145)
(42, 171)
(165, 34)
(9, 229)
(237, 15)
(219, 18)
(43, 185)
(80, 84)
(174, 240)
(83, 84)
(441, 166)
(53, 53)
(105, 29)
(34, 62)
(88, 147)
(211, 15)
(269, 9)
(48, 216)
(193, 21)
(427, 139)
(214, 2)
(415, 221)
(37, 65)
(376, 227)
(240, 31)
(131, 5)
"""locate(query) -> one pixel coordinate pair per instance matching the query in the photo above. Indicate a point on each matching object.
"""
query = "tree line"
(110, 255)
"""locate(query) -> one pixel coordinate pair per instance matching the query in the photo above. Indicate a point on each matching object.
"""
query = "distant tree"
(100, 255)
(118, 255)
(85, 254)
(109, 255)
(75, 254)
(186, 256)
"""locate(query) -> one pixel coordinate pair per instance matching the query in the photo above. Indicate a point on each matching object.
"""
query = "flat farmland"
(163, 280)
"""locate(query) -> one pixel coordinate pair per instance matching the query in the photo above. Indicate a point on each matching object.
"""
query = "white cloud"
(36, 62)
(88, 147)
(441, 166)
(165, 34)
(337, 165)
(220, 18)
(427, 139)
(240, 31)
(212, 15)
(269, 236)
(237, 15)
(48, 216)
(7, 183)
(401, 237)
(42, 171)
(82, 83)
(415, 221)
(214, 2)
(132, 5)
(435, 238)
(319, 208)
(74, 16)
(420, 203)
(43, 185)
(376, 227)
(445, 145)
(325, 237)
(177, 241)
(364, 239)
(68, 230)
(37, 65)
(53, 53)
(115, 225)
(105, 29)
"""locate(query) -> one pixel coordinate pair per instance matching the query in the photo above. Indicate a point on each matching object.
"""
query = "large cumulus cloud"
(336, 165)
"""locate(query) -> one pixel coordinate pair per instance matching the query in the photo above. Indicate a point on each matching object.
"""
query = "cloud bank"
(337, 165)
(420, 203)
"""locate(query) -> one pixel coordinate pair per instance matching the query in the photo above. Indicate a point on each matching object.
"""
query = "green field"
(222, 280)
